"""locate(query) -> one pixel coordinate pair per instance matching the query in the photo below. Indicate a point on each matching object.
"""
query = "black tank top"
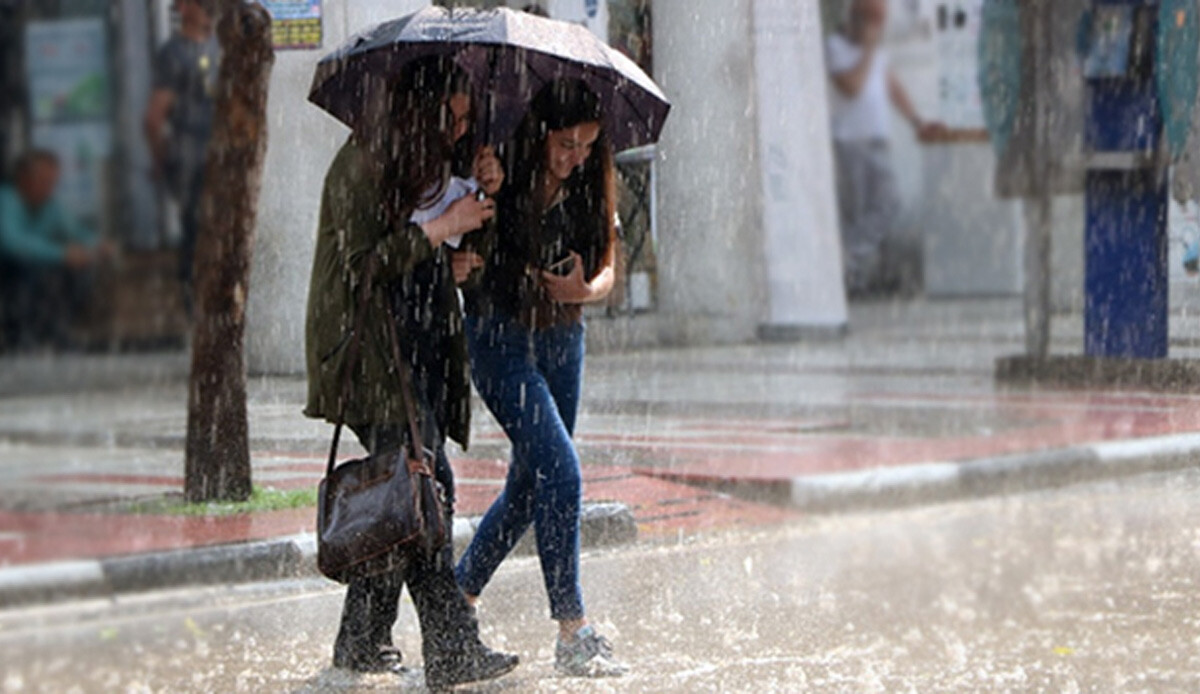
(511, 282)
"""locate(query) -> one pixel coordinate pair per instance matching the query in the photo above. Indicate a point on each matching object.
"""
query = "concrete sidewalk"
(689, 440)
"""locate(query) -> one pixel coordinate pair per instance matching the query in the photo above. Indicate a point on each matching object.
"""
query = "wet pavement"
(912, 384)
(1086, 589)
(79, 515)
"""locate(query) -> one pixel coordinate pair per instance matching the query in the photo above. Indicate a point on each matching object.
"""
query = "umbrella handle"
(490, 96)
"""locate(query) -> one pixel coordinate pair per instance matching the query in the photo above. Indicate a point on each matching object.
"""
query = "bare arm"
(574, 288)
(602, 284)
(927, 131)
(902, 102)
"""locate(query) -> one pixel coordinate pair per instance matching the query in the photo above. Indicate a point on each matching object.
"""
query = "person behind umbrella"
(391, 165)
(552, 251)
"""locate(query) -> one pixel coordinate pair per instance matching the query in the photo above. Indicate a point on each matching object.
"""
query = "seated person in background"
(46, 257)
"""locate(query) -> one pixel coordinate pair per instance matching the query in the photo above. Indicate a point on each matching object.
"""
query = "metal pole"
(1039, 210)
(1038, 220)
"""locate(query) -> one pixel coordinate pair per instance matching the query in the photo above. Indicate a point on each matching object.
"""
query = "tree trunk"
(1039, 223)
(218, 448)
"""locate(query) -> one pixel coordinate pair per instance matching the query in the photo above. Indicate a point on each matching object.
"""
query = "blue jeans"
(530, 380)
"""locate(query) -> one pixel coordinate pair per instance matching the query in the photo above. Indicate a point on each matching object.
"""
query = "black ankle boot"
(477, 664)
(386, 659)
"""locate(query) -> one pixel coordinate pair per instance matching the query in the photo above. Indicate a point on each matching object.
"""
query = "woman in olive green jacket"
(390, 167)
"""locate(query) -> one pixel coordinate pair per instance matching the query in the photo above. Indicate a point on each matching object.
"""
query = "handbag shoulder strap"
(404, 372)
(352, 350)
(352, 356)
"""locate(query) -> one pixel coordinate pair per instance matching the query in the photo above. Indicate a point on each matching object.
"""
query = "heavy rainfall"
(599, 346)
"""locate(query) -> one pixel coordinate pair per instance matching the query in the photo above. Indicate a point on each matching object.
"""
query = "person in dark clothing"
(179, 117)
(391, 166)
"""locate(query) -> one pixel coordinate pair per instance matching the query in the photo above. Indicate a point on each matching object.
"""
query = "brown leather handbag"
(374, 513)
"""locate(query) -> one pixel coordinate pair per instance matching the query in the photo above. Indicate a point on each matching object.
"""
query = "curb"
(1074, 371)
(603, 525)
(949, 481)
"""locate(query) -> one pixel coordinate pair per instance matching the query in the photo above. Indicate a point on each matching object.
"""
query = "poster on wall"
(958, 32)
(296, 24)
(67, 70)
(70, 104)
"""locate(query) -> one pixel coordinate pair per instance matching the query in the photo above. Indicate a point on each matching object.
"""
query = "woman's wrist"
(599, 288)
(436, 231)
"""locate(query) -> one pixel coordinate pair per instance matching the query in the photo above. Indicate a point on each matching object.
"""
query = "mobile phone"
(563, 266)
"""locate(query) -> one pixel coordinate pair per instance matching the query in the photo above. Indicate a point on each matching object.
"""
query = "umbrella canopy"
(508, 55)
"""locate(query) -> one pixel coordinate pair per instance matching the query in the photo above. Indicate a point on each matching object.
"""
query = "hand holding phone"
(565, 283)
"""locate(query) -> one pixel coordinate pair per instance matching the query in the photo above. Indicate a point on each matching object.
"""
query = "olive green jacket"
(352, 227)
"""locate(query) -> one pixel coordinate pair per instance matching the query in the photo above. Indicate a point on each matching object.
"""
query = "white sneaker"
(587, 655)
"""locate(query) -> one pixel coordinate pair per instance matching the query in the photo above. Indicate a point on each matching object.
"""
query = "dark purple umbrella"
(508, 55)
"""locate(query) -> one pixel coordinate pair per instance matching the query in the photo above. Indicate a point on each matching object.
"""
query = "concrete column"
(711, 286)
(139, 202)
(801, 240)
(303, 141)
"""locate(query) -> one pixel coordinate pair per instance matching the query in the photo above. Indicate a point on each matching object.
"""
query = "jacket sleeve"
(482, 243)
(353, 212)
(402, 249)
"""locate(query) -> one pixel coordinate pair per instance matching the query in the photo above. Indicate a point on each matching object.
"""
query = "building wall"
(710, 236)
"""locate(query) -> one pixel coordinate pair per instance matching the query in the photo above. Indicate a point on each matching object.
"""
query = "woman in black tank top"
(551, 251)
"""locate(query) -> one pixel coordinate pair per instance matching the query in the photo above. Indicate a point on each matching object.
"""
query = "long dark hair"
(591, 189)
(409, 138)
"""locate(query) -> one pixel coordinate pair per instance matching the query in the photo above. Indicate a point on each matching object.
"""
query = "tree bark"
(1039, 221)
(218, 449)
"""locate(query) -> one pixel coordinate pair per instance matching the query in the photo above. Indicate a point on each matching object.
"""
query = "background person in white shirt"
(864, 90)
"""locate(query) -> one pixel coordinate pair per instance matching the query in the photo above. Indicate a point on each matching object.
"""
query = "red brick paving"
(663, 509)
(696, 449)
(41, 537)
(95, 478)
(1038, 422)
